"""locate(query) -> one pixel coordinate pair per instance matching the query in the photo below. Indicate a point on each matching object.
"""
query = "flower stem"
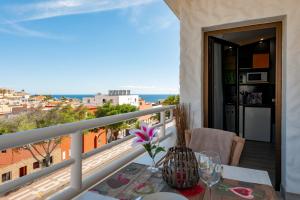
(153, 162)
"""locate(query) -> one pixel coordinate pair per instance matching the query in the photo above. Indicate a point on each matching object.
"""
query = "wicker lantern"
(180, 168)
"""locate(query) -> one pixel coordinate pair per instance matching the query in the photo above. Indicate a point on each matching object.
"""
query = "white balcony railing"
(77, 183)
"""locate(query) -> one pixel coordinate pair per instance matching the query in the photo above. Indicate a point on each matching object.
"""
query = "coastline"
(151, 98)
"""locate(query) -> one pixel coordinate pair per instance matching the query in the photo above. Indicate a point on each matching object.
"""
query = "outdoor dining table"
(122, 183)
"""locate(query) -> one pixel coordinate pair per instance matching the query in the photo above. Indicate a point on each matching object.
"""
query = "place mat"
(135, 180)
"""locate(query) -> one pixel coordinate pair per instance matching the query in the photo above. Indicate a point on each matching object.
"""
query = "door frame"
(278, 84)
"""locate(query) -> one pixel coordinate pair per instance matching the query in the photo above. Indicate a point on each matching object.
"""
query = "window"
(103, 100)
(3, 151)
(22, 171)
(6, 176)
(36, 165)
(50, 160)
(95, 142)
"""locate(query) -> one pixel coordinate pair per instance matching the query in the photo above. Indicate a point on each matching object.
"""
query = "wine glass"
(210, 169)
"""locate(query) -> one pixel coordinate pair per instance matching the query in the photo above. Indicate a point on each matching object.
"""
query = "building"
(203, 20)
(11, 101)
(4, 92)
(91, 109)
(143, 105)
(90, 140)
(5, 109)
(21, 109)
(15, 163)
(115, 97)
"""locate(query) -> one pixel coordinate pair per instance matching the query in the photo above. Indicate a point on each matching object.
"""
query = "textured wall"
(198, 15)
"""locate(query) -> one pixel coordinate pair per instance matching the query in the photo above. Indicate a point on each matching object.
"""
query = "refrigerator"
(257, 123)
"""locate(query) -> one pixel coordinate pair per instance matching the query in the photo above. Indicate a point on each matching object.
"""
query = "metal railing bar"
(76, 154)
(97, 176)
(11, 185)
(157, 125)
(163, 122)
(36, 135)
(114, 143)
(169, 120)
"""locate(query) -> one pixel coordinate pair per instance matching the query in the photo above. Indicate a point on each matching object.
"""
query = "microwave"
(257, 77)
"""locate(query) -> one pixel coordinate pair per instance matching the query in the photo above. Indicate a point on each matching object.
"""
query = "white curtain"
(218, 87)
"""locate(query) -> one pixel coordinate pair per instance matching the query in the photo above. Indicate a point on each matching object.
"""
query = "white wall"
(123, 99)
(113, 99)
(129, 99)
(198, 15)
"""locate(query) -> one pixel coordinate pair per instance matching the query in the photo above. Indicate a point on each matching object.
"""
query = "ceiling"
(247, 37)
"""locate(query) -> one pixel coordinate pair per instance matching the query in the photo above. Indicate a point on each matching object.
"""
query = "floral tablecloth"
(134, 180)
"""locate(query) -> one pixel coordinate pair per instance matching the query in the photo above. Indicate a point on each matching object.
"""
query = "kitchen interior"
(244, 90)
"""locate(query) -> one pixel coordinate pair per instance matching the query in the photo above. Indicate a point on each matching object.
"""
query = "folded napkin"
(189, 192)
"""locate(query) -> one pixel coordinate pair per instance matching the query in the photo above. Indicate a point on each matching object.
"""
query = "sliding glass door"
(223, 85)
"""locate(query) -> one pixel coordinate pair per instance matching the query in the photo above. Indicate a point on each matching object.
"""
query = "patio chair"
(227, 144)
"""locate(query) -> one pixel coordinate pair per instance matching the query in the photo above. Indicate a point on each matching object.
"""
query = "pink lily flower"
(145, 135)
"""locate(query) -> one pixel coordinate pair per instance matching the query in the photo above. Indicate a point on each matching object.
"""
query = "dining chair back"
(227, 144)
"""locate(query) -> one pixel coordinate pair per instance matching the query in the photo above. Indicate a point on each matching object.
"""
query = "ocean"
(147, 97)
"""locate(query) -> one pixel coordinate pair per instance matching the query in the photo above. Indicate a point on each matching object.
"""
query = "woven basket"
(180, 168)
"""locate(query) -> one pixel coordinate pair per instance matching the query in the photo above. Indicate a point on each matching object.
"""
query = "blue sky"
(89, 46)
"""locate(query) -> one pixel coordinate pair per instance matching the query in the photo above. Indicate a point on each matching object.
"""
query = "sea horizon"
(152, 98)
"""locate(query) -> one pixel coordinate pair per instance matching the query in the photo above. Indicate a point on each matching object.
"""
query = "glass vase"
(152, 168)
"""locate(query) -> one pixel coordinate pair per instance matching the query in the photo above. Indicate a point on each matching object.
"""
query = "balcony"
(69, 178)
(73, 178)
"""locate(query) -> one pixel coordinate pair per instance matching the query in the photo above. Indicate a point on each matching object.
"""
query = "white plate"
(164, 196)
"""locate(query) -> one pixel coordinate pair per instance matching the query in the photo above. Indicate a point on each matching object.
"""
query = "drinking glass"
(210, 169)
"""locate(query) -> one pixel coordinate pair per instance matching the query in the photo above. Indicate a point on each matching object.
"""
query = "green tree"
(63, 98)
(108, 109)
(3, 91)
(48, 97)
(171, 100)
(40, 119)
(137, 125)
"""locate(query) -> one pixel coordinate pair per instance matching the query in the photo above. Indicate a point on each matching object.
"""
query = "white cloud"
(150, 89)
(55, 8)
(19, 30)
(146, 21)
(38, 10)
